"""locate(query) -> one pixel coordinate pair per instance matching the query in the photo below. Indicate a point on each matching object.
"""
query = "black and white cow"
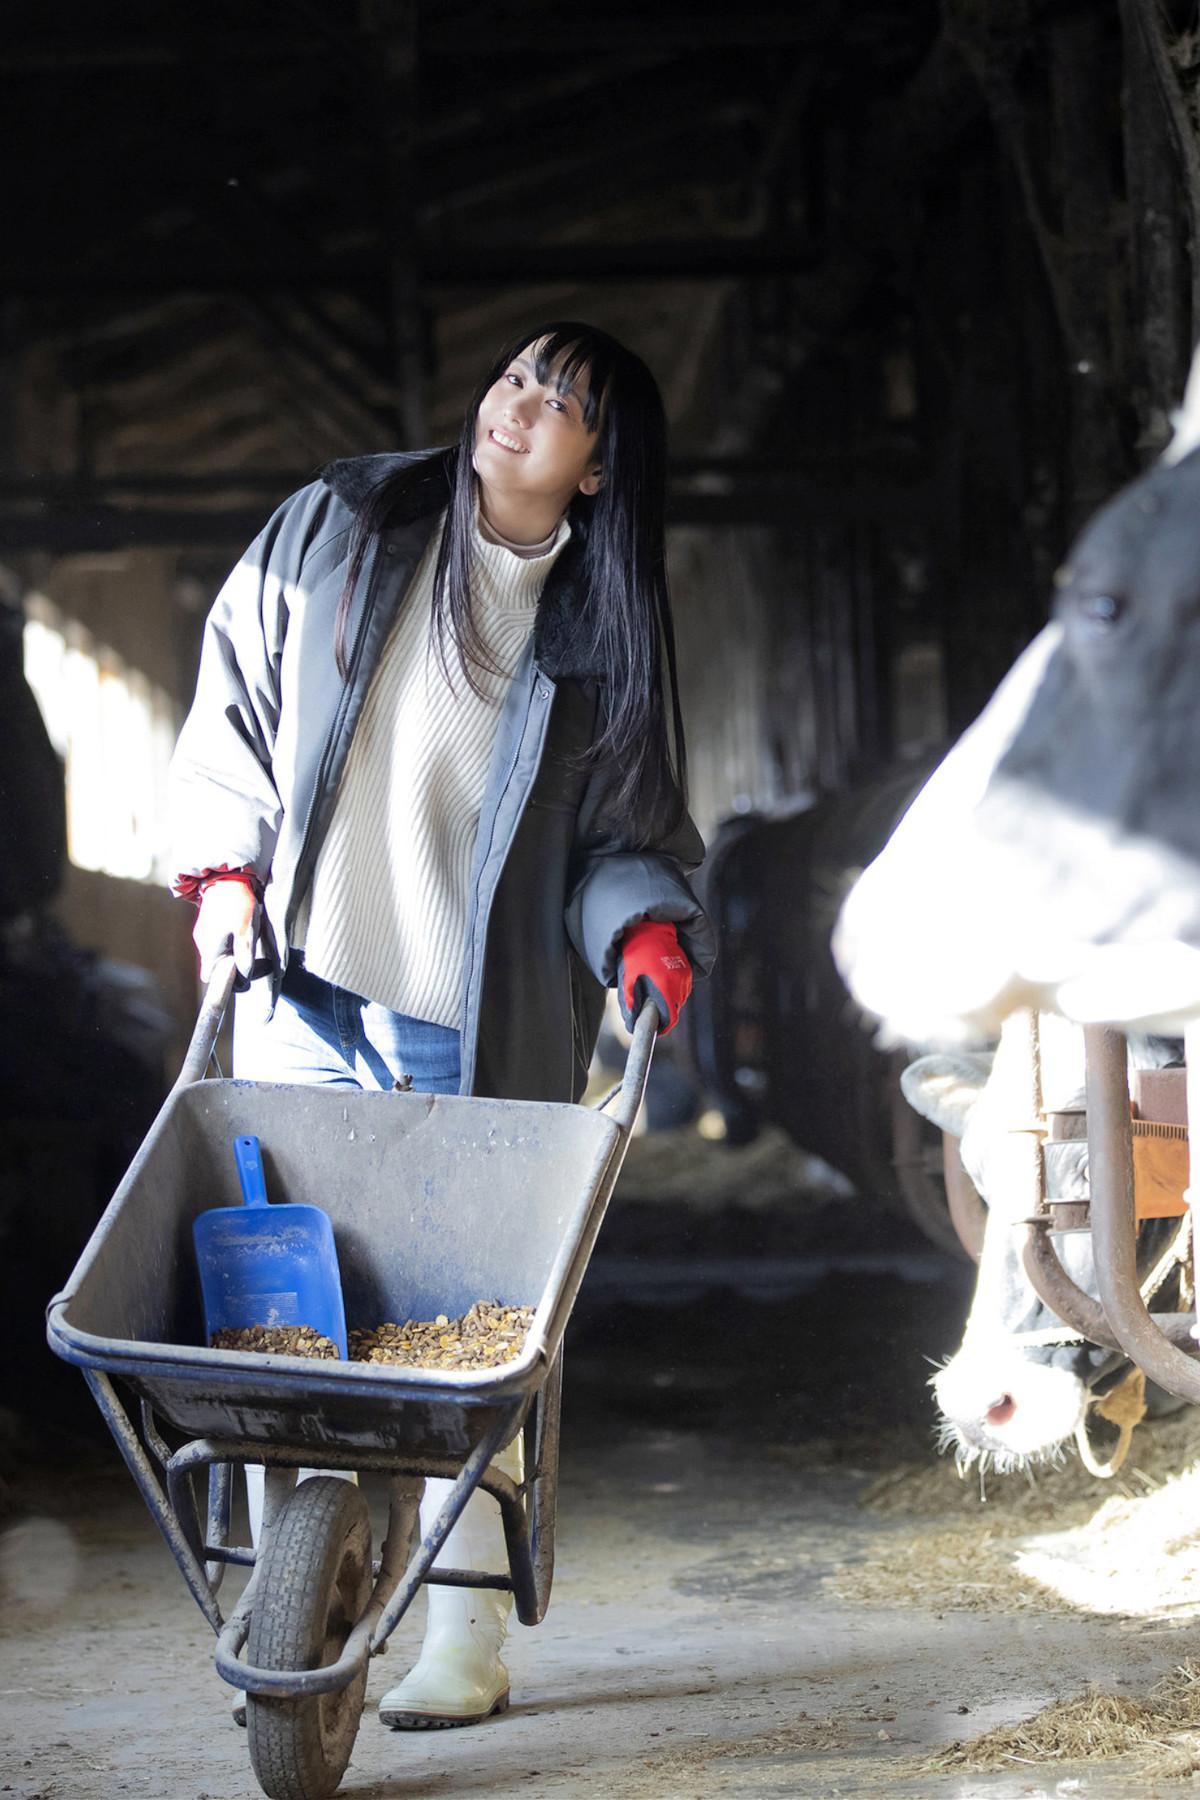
(1052, 861)
(1018, 1387)
(1053, 858)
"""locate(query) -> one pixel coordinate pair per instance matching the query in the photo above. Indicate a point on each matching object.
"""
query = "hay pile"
(1135, 1557)
(1057, 1538)
(798, 1736)
(1163, 1731)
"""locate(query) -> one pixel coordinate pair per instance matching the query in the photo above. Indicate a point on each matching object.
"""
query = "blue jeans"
(325, 1036)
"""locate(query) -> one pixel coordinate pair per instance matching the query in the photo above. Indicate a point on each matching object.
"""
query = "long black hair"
(626, 632)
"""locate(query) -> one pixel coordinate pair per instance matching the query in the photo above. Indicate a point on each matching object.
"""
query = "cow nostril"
(1001, 1410)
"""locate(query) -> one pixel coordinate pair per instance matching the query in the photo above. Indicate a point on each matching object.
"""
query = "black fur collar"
(422, 486)
(426, 489)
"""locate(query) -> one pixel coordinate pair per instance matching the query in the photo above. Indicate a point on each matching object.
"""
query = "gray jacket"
(555, 879)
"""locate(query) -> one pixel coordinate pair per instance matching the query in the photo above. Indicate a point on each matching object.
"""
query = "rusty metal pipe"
(1064, 1297)
(1114, 1225)
(1053, 1286)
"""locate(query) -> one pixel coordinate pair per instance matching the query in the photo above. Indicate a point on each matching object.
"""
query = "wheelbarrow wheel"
(314, 1584)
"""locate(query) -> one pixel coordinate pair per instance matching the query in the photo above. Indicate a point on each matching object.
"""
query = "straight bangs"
(567, 352)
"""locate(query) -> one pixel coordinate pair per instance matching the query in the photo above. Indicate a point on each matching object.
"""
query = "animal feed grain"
(486, 1337)
(276, 1340)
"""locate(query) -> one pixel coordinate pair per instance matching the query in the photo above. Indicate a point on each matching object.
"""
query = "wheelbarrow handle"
(208, 1021)
(220, 987)
(637, 1067)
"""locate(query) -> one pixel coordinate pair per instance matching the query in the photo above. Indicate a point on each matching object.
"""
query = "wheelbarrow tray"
(436, 1202)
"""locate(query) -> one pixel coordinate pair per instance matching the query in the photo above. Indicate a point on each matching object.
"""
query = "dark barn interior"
(916, 278)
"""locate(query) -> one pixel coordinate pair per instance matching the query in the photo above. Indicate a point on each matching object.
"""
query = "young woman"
(432, 792)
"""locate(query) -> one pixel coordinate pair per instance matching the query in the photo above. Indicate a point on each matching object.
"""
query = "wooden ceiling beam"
(716, 489)
(881, 463)
(328, 393)
(490, 30)
(554, 30)
(712, 148)
(74, 51)
(457, 265)
(101, 527)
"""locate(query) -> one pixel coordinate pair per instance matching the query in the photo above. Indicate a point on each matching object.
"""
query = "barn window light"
(114, 731)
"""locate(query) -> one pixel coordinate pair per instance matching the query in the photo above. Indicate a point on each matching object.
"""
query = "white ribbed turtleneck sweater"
(385, 916)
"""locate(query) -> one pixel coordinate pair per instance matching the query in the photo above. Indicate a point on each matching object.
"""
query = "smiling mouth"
(512, 445)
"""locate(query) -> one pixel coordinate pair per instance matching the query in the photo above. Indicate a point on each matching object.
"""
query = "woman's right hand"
(226, 920)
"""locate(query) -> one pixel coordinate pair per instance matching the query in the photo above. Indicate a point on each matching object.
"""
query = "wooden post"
(394, 80)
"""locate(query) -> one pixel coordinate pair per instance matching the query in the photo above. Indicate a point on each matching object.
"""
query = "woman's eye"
(515, 379)
(557, 404)
(1100, 609)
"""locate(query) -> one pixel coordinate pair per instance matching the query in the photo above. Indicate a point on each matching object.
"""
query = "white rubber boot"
(459, 1679)
(255, 1479)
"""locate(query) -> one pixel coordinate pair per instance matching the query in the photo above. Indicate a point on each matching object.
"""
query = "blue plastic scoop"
(268, 1265)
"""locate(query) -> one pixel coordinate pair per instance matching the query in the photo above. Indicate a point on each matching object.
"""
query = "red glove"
(653, 967)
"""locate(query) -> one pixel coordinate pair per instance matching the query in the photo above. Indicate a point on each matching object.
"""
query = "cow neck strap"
(1123, 1406)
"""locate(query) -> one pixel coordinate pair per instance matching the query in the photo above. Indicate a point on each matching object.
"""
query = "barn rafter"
(477, 164)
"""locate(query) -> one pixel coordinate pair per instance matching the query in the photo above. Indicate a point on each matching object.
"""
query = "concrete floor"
(692, 1648)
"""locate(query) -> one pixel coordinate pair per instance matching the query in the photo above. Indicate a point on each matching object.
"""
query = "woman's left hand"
(653, 967)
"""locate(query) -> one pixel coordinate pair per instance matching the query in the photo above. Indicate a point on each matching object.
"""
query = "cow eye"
(1100, 609)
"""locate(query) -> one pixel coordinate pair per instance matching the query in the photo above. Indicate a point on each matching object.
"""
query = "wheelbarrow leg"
(220, 1487)
(542, 1466)
(181, 1496)
(150, 1487)
(459, 1677)
(431, 1543)
(404, 1509)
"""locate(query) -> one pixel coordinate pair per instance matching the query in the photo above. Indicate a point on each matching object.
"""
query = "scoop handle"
(248, 1156)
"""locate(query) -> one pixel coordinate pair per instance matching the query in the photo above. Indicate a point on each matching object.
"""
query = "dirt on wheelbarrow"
(719, 1625)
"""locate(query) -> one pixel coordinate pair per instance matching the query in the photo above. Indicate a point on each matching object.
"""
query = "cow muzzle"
(1006, 1410)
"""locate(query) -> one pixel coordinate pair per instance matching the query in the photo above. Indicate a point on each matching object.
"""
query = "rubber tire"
(315, 1582)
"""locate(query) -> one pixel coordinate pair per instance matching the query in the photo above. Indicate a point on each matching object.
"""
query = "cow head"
(1053, 860)
(1019, 1385)
(1002, 1401)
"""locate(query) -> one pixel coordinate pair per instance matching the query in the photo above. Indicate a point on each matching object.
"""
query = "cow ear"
(943, 1089)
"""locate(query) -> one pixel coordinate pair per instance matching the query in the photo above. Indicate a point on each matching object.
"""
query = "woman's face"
(530, 439)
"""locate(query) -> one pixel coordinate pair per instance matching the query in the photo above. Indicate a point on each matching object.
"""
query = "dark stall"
(914, 282)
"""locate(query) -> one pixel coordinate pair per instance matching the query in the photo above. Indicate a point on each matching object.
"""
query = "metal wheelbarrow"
(436, 1202)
